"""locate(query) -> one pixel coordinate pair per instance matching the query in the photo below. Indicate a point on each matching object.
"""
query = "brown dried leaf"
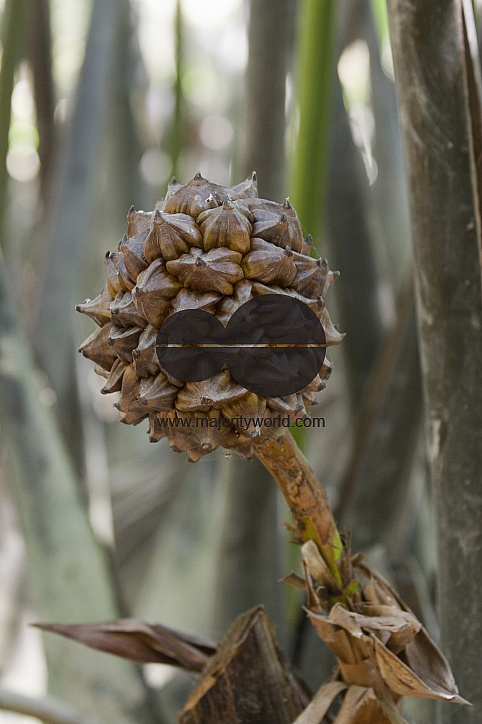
(366, 646)
(317, 566)
(321, 702)
(401, 625)
(362, 706)
(139, 642)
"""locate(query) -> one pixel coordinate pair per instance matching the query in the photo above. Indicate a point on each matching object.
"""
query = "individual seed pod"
(131, 410)
(307, 245)
(269, 264)
(310, 276)
(215, 271)
(259, 289)
(124, 313)
(157, 276)
(144, 355)
(137, 221)
(194, 455)
(101, 371)
(328, 276)
(246, 413)
(230, 304)
(114, 379)
(151, 295)
(130, 387)
(156, 394)
(192, 198)
(228, 225)
(97, 349)
(173, 380)
(113, 282)
(172, 187)
(97, 309)
(246, 189)
(126, 281)
(170, 236)
(212, 393)
(212, 429)
(180, 437)
(278, 224)
(317, 384)
(156, 430)
(326, 369)
(123, 341)
(131, 250)
(188, 299)
(283, 412)
(280, 423)
(309, 397)
(333, 336)
(287, 404)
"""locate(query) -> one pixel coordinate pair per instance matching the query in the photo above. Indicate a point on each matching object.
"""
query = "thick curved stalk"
(306, 498)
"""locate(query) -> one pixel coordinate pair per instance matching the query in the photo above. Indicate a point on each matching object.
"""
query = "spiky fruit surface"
(207, 247)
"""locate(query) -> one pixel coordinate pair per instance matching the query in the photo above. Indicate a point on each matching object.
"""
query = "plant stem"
(315, 76)
(306, 498)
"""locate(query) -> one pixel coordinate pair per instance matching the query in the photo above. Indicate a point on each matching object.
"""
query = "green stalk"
(314, 82)
(380, 17)
(315, 53)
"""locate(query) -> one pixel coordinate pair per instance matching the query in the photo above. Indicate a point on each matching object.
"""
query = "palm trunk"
(440, 115)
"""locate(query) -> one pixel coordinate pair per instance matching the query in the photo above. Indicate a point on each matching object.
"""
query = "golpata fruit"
(212, 248)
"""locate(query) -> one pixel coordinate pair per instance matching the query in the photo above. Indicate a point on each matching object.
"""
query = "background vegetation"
(100, 104)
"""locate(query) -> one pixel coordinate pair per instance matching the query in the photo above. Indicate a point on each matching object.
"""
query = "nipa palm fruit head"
(205, 247)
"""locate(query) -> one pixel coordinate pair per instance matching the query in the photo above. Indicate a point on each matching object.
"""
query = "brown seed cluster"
(206, 247)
